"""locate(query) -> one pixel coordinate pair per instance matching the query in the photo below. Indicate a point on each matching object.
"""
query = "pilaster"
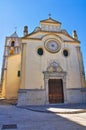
(81, 67)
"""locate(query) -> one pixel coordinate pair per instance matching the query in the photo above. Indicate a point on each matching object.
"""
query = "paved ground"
(23, 119)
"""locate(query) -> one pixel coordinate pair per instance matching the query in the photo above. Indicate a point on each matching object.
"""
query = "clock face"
(52, 46)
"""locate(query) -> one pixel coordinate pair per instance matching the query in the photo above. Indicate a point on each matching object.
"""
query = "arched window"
(12, 43)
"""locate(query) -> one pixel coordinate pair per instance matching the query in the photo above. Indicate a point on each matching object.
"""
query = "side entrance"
(55, 88)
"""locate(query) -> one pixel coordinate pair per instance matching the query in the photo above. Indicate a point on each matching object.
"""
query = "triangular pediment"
(40, 35)
(50, 20)
(46, 35)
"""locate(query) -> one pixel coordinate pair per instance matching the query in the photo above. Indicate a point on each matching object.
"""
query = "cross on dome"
(49, 15)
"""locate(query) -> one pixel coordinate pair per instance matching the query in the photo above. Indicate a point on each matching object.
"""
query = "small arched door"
(55, 87)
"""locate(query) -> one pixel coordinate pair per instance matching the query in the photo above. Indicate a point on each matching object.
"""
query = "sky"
(15, 14)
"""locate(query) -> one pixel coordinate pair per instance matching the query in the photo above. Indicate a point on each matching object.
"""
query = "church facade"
(47, 67)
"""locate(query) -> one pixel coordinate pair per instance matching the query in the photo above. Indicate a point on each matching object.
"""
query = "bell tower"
(12, 47)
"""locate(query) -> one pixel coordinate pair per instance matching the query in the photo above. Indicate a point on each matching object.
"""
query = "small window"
(18, 74)
(65, 53)
(12, 43)
(40, 51)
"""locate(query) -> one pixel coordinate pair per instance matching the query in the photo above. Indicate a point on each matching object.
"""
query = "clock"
(52, 46)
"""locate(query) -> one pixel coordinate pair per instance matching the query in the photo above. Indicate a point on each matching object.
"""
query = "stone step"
(8, 101)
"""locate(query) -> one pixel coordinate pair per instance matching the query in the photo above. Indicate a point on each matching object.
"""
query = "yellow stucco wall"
(3, 84)
(12, 79)
(35, 65)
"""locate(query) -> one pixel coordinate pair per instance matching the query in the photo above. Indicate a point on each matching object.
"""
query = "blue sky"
(18, 13)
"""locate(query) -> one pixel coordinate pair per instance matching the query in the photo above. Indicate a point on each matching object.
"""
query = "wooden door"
(55, 91)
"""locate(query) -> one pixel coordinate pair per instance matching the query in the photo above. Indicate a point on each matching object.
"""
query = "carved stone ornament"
(54, 67)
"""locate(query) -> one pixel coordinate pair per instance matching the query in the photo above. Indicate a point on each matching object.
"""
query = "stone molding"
(56, 75)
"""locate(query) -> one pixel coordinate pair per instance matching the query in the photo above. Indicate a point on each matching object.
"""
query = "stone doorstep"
(53, 110)
(9, 126)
